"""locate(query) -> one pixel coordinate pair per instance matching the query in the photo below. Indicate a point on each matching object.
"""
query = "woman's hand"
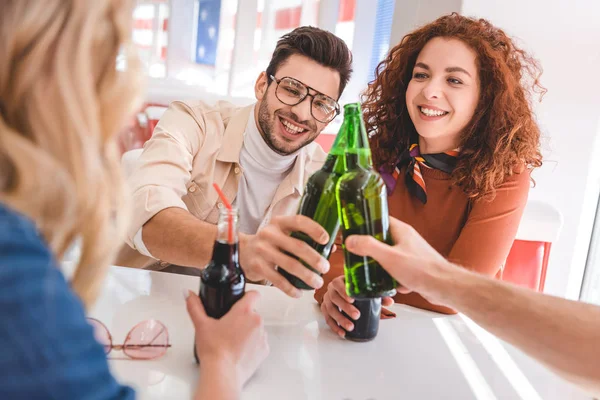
(336, 299)
(236, 343)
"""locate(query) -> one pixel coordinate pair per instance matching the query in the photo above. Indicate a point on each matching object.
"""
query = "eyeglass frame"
(312, 97)
(121, 347)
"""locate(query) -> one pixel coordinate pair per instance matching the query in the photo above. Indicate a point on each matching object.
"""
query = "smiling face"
(443, 93)
(285, 128)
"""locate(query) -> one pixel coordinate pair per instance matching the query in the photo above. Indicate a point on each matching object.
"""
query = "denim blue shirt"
(47, 349)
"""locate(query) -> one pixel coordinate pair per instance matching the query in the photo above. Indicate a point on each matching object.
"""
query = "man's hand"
(411, 260)
(260, 254)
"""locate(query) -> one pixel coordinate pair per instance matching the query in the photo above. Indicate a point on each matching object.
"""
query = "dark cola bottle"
(222, 282)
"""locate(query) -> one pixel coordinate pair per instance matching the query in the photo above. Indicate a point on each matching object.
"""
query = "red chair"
(527, 262)
(154, 112)
(141, 127)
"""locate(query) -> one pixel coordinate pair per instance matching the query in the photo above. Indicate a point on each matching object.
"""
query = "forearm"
(562, 334)
(176, 236)
(217, 382)
(416, 300)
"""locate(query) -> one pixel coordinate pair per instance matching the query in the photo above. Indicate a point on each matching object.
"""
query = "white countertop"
(417, 355)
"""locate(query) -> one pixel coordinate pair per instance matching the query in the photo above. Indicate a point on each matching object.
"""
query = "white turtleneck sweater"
(263, 170)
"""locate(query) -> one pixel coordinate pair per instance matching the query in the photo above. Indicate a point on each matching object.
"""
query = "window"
(274, 18)
(591, 282)
(203, 48)
(383, 29)
(212, 34)
(345, 23)
(150, 35)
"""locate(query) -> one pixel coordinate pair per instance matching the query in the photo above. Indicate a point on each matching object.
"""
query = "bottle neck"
(339, 144)
(358, 152)
(227, 226)
(358, 158)
(226, 248)
(334, 161)
(329, 163)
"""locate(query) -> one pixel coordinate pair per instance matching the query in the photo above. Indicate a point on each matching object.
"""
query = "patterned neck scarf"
(412, 157)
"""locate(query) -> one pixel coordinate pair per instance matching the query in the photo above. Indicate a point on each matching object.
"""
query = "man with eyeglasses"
(260, 155)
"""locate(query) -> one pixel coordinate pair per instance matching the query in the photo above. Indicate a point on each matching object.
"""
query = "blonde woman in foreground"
(61, 103)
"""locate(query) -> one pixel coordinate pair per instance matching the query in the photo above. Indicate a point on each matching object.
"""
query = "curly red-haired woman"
(454, 136)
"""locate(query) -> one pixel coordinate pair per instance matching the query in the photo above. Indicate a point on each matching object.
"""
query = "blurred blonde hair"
(61, 103)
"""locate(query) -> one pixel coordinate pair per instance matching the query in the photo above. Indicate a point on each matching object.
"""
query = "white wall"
(240, 76)
(362, 44)
(328, 14)
(565, 37)
(181, 35)
(410, 14)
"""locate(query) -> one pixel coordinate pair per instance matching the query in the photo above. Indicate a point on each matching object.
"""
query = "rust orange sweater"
(475, 234)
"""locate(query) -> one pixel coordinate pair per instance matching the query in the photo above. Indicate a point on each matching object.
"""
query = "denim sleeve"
(48, 350)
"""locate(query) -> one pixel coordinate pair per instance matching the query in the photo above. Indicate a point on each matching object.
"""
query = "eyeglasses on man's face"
(291, 92)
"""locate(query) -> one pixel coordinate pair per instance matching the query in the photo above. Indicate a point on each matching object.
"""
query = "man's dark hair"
(317, 44)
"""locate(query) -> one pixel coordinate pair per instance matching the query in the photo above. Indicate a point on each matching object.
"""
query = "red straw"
(228, 206)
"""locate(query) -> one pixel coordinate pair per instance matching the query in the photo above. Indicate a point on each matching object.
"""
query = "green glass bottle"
(362, 208)
(319, 203)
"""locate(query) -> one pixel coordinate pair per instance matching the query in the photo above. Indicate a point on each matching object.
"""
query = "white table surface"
(417, 355)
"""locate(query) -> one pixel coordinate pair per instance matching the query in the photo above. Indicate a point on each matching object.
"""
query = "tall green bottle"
(319, 202)
(362, 209)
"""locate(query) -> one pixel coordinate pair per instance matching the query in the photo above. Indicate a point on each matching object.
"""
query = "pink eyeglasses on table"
(145, 341)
